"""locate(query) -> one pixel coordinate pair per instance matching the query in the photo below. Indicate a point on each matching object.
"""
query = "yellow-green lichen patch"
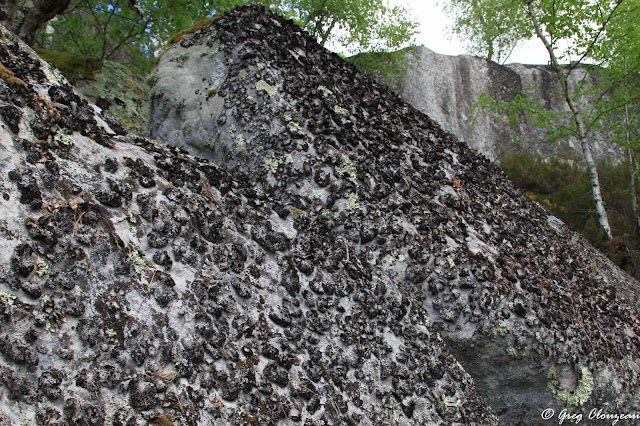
(7, 298)
(517, 354)
(352, 202)
(42, 269)
(240, 146)
(211, 92)
(138, 262)
(325, 91)
(272, 163)
(347, 167)
(9, 76)
(502, 329)
(73, 67)
(266, 87)
(293, 126)
(571, 399)
(450, 261)
(339, 110)
(448, 403)
(63, 137)
(317, 194)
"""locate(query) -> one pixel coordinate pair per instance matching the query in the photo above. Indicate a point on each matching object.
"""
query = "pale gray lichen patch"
(339, 110)
(347, 167)
(266, 87)
(352, 202)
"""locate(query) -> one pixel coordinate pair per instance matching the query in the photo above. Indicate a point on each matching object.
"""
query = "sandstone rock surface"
(356, 265)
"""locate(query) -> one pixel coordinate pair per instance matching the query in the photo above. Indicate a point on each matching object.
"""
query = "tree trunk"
(596, 193)
(24, 17)
(634, 196)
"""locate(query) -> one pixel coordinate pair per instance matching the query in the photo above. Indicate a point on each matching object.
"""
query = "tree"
(573, 30)
(491, 28)
(25, 17)
(111, 29)
(357, 25)
(619, 53)
(123, 29)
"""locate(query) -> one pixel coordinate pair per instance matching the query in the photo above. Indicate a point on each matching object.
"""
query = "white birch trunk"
(596, 193)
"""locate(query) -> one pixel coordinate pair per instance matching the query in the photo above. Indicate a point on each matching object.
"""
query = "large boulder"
(142, 285)
(371, 190)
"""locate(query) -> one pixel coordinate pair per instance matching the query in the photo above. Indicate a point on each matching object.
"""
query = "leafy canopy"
(490, 28)
(124, 30)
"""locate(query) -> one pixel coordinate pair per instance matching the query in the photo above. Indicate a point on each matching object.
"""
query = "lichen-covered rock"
(143, 285)
(122, 93)
(377, 205)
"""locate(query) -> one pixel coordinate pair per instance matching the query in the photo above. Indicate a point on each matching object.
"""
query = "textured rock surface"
(121, 93)
(317, 284)
(447, 88)
(140, 285)
(538, 317)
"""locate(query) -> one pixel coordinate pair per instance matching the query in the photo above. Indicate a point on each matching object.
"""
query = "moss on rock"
(122, 93)
(73, 67)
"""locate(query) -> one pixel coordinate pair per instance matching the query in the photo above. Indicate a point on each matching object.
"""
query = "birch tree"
(573, 32)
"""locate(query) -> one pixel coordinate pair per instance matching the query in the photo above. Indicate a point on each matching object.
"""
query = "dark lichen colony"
(354, 264)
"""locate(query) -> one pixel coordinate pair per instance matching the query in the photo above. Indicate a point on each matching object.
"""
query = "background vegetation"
(562, 186)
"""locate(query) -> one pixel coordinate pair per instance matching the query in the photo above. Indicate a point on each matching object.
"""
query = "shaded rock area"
(142, 285)
(372, 190)
(122, 93)
(449, 88)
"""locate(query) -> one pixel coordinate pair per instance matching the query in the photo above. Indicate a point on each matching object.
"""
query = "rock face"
(357, 266)
(141, 285)
(448, 88)
(364, 177)
(121, 93)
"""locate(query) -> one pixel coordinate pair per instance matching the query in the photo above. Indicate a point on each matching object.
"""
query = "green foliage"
(115, 30)
(111, 29)
(390, 66)
(73, 67)
(491, 28)
(356, 25)
(562, 186)
(525, 108)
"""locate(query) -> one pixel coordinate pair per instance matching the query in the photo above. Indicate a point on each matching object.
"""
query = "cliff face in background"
(354, 263)
(447, 88)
